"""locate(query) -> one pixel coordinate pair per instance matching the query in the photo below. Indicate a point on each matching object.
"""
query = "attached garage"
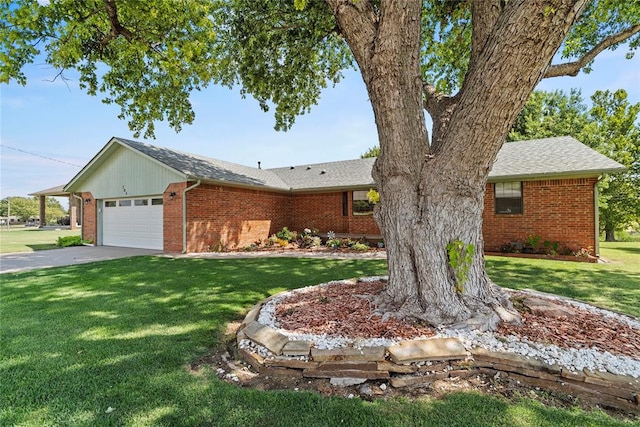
(133, 223)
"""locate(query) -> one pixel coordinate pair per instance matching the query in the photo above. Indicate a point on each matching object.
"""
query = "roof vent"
(293, 167)
(308, 167)
(259, 167)
(323, 171)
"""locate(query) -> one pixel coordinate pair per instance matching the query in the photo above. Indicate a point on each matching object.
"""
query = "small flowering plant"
(584, 252)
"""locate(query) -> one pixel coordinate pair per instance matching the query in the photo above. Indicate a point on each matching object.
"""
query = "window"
(110, 204)
(361, 203)
(140, 202)
(345, 203)
(124, 203)
(156, 202)
(508, 197)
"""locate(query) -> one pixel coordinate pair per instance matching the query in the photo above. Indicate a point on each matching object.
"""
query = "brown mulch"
(343, 310)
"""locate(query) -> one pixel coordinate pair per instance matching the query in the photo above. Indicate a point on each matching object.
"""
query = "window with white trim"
(361, 203)
(508, 197)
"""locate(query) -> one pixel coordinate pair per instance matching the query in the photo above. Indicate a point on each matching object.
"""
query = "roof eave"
(237, 184)
(96, 161)
(555, 175)
(333, 188)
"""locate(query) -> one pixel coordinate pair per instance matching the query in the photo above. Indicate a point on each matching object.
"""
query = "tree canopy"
(148, 56)
(610, 126)
(26, 208)
(470, 65)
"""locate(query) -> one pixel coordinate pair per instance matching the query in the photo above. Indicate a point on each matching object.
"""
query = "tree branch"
(440, 107)
(362, 20)
(573, 68)
(116, 27)
(484, 15)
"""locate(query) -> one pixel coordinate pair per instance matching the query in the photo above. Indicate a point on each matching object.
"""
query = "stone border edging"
(419, 362)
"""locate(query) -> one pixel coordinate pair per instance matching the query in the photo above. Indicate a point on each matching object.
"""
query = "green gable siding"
(128, 173)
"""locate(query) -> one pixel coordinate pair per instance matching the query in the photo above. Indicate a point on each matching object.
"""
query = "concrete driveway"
(23, 261)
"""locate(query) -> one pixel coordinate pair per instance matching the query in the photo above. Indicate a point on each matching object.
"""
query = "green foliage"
(359, 246)
(281, 52)
(66, 241)
(165, 50)
(309, 239)
(614, 131)
(24, 208)
(601, 19)
(285, 234)
(446, 43)
(460, 257)
(610, 126)
(371, 152)
(549, 114)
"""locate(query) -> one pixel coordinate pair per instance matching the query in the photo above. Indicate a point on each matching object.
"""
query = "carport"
(58, 191)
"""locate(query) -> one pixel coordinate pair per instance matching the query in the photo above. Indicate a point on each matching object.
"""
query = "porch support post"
(43, 205)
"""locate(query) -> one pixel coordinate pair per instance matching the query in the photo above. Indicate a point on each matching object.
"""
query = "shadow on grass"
(42, 246)
(110, 343)
(600, 285)
(631, 250)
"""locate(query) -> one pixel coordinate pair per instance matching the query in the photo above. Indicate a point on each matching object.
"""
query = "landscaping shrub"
(66, 241)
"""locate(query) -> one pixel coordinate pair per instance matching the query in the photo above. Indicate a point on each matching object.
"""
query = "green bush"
(65, 241)
(285, 234)
(360, 246)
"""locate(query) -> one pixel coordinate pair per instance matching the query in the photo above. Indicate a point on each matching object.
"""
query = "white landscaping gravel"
(572, 359)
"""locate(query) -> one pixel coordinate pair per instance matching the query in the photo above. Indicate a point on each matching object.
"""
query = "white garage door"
(133, 223)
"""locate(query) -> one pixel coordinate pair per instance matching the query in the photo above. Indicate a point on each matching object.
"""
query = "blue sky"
(56, 121)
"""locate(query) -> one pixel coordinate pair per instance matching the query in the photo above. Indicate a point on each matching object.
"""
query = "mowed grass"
(31, 239)
(110, 343)
(614, 285)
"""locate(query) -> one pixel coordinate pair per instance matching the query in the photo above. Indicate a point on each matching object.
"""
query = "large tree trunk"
(609, 233)
(432, 195)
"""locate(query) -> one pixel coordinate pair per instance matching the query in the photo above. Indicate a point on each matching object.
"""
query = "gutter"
(184, 215)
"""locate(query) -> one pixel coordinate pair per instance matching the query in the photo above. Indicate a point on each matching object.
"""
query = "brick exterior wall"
(324, 212)
(559, 210)
(172, 217)
(89, 219)
(229, 217)
(318, 211)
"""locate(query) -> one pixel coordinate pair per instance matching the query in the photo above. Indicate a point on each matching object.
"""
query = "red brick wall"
(318, 211)
(323, 212)
(556, 210)
(89, 218)
(560, 210)
(172, 217)
(233, 217)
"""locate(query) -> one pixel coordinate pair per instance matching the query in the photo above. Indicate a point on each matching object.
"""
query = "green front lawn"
(76, 341)
(614, 285)
(31, 239)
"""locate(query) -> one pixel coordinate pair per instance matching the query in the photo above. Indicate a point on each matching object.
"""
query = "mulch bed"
(341, 310)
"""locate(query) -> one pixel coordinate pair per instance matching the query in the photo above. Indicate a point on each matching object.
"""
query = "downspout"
(596, 209)
(184, 215)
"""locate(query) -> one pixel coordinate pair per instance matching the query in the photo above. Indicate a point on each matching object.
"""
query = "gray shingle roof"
(549, 157)
(346, 173)
(200, 167)
(559, 156)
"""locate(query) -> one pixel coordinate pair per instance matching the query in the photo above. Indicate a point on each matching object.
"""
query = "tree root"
(483, 315)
